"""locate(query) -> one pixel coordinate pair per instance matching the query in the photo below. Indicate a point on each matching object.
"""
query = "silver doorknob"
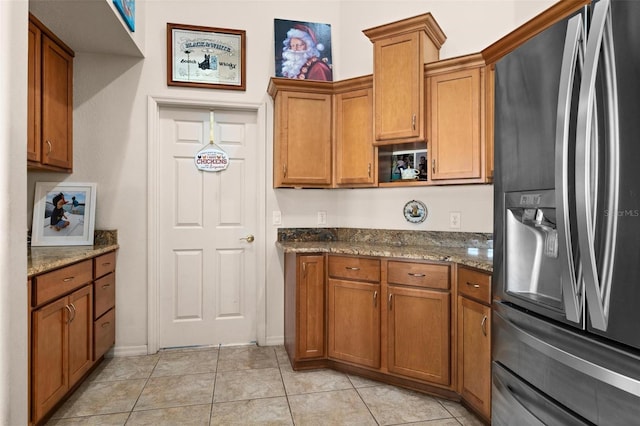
(249, 238)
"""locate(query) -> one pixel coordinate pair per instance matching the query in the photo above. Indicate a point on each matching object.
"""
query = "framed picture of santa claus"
(303, 50)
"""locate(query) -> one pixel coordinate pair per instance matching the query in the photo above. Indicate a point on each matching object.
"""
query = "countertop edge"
(477, 258)
(68, 255)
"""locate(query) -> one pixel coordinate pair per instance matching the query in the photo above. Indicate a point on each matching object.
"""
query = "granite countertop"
(43, 259)
(466, 249)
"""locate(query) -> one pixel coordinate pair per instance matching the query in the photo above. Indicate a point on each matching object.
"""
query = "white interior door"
(207, 272)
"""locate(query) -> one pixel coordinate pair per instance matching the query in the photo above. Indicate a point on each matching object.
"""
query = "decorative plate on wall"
(415, 211)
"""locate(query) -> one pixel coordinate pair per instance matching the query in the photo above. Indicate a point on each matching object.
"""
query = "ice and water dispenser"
(531, 248)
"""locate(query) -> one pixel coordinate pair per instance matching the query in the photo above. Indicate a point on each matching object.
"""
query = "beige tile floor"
(243, 386)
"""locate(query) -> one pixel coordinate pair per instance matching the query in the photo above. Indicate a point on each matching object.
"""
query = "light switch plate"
(454, 220)
(322, 218)
(277, 217)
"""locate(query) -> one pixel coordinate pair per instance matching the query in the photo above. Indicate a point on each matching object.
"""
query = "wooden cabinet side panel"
(418, 334)
(33, 94)
(354, 150)
(311, 307)
(305, 138)
(455, 125)
(49, 351)
(80, 333)
(290, 303)
(354, 322)
(474, 354)
(57, 105)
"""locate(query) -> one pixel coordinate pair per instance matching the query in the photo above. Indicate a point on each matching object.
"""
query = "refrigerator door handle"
(572, 290)
(597, 278)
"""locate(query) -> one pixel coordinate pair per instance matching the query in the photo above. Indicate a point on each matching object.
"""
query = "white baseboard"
(117, 351)
(274, 340)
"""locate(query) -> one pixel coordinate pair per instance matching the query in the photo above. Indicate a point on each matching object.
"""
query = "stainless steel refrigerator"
(566, 285)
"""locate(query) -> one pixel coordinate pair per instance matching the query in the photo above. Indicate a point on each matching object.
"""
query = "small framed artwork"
(204, 57)
(303, 50)
(63, 214)
(127, 9)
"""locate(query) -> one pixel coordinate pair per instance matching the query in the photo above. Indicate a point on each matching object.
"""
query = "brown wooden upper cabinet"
(50, 101)
(400, 50)
(323, 133)
(354, 152)
(460, 120)
(302, 133)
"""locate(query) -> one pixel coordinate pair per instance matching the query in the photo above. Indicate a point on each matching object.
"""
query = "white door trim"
(153, 140)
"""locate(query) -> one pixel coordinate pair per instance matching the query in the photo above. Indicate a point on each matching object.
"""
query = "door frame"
(154, 104)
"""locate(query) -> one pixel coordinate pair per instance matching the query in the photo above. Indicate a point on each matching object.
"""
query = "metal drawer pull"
(390, 300)
(484, 325)
(351, 268)
(106, 324)
(375, 299)
(473, 285)
(74, 312)
(66, 280)
(69, 317)
(416, 275)
(106, 264)
(106, 286)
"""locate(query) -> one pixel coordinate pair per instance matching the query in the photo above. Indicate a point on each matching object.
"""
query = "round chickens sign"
(211, 159)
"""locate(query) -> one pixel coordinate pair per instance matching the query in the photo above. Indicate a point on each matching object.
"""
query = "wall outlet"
(277, 217)
(454, 220)
(322, 218)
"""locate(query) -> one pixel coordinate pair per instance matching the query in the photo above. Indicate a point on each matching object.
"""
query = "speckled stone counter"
(470, 249)
(43, 259)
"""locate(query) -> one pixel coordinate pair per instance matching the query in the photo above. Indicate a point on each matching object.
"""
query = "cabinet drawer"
(354, 268)
(104, 264)
(56, 283)
(104, 293)
(418, 274)
(474, 284)
(104, 332)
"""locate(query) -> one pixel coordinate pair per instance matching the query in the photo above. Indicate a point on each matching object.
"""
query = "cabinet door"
(474, 354)
(57, 105)
(80, 333)
(50, 363)
(418, 334)
(354, 322)
(33, 94)
(399, 89)
(354, 150)
(310, 293)
(455, 125)
(302, 151)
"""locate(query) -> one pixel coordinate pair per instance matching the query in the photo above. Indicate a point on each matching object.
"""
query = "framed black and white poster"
(204, 57)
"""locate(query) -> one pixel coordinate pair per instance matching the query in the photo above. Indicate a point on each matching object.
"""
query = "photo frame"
(71, 207)
(127, 9)
(205, 57)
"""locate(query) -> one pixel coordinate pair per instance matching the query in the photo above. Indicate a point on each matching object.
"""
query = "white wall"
(13, 177)
(110, 127)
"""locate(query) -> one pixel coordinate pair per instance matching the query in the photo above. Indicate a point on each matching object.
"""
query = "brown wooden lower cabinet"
(474, 340)
(62, 347)
(395, 320)
(65, 343)
(418, 334)
(354, 322)
(304, 308)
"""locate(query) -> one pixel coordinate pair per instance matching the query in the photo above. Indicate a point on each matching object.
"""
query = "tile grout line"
(284, 387)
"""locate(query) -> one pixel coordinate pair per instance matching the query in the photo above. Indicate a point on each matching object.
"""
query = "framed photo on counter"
(206, 57)
(63, 214)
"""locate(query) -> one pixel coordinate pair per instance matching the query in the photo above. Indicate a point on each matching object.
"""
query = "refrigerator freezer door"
(598, 382)
(514, 402)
